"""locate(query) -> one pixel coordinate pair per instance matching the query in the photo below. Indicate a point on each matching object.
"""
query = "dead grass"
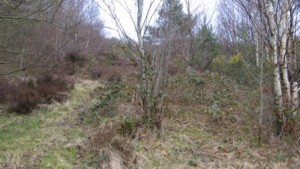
(197, 142)
(193, 138)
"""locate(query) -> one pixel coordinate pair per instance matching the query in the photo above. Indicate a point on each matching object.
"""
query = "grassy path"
(47, 138)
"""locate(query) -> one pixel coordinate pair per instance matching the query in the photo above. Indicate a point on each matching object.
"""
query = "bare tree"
(40, 33)
(153, 62)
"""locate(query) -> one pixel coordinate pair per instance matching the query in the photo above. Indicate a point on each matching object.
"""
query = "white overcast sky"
(208, 6)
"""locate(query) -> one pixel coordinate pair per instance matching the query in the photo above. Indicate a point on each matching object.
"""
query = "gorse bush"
(235, 67)
(224, 64)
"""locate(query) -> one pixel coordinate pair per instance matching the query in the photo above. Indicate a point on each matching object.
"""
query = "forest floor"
(210, 122)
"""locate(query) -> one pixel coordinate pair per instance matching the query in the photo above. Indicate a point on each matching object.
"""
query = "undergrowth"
(108, 98)
(209, 123)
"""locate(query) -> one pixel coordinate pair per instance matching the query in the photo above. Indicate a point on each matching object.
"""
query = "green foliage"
(91, 62)
(105, 105)
(195, 80)
(235, 67)
(214, 111)
(219, 63)
(227, 64)
(128, 126)
(291, 125)
(171, 16)
(108, 97)
(280, 156)
(60, 158)
(205, 45)
(116, 51)
(235, 59)
(171, 13)
(192, 163)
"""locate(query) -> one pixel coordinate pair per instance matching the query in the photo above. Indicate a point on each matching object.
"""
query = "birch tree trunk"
(293, 59)
(272, 17)
(274, 48)
(261, 85)
(257, 56)
(283, 29)
(276, 25)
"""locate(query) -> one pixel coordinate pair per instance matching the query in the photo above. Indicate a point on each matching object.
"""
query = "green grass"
(60, 158)
(48, 137)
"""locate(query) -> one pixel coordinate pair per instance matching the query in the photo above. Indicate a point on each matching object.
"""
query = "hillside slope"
(209, 123)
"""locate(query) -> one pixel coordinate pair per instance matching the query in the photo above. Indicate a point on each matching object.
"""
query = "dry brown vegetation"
(25, 96)
(23, 92)
(209, 123)
(72, 98)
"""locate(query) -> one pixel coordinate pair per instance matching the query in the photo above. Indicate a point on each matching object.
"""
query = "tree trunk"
(293, 61)
(272, 18)
(295, 97)
(144, 64)
(274, 48)
(257, 56)
(261, 84)
(283, 29)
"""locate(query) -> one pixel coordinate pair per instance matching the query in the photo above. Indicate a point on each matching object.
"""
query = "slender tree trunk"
(295, 97)
(286, 82)
(88, 41)
(274, 47)
(152, 68)
(293, 60)
(283, 29)
(144, 64)
(257, 55)
(261, 85)
(272, 18)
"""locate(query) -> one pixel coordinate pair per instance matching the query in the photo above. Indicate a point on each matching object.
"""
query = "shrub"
(236, 68)
(22, 99)
(173, 69)
(96, 72)
(25, 96)
(111, 73)
(110, 95)
(214, 111)
(75, 57)
(129, 126)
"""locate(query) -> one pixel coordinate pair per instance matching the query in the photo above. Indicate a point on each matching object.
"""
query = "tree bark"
(261, 85)
(257, 56)
(273, 40)
(283, 29)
